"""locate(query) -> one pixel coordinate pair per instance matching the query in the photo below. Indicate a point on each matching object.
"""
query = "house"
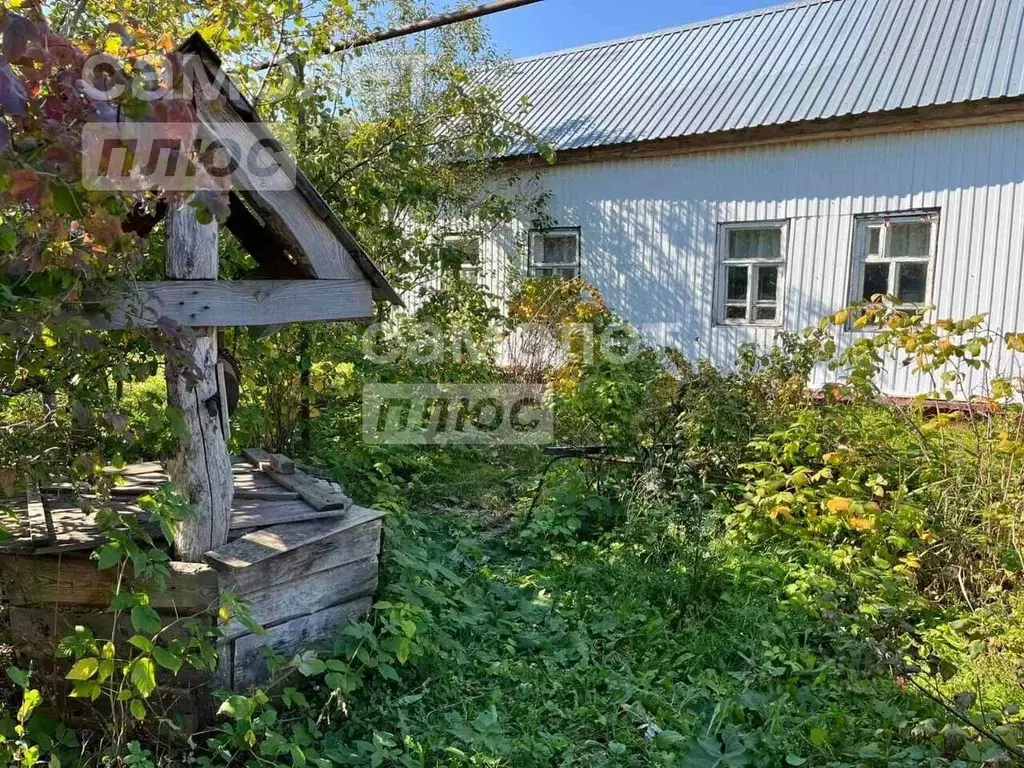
(722, 181)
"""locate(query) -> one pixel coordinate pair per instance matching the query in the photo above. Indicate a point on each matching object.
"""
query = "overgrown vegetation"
(720, 568)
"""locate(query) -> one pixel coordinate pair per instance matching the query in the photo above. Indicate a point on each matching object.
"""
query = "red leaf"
(20, 35)
(26, 187)
(13, 96)
(62, 51)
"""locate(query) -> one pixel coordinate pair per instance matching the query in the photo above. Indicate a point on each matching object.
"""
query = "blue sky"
(554, 24)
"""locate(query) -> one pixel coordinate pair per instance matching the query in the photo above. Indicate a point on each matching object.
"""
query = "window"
(467, 267)
(555, 252)
(752, 257)
(892, 257)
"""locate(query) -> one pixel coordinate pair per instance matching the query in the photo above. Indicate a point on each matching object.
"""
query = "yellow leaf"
(781, 511)
(861, 523)
(945, 346)
(841, 317)
(861, 321)
(838, 504)
(112, 45)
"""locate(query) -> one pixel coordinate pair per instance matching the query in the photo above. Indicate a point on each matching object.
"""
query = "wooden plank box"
(302, 580)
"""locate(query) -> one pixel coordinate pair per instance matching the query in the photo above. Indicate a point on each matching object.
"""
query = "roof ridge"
(756, 12)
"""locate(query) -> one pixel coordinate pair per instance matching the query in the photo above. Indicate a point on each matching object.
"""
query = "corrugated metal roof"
(803, 61)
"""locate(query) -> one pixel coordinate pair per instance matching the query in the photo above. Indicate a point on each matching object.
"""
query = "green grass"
(549, 651)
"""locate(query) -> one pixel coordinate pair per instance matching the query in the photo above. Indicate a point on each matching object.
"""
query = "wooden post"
(202, 467)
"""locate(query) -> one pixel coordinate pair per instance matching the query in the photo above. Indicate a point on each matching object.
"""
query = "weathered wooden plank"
(37, 631)
(141, 468)
(40, 524)
(222, 394)
(319, 494)
(269, 462)
(75, 580)
(286, 552)
(284, 211)
(267, 494)
(201, 470)
(240, 302)
(282, 464)
(278, 603)
(250, 666)
(258, 513)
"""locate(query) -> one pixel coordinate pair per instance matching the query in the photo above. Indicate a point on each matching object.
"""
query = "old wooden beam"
(74, 580)
(240, 302)
(40, 524)
(202, 467)
(286, 552)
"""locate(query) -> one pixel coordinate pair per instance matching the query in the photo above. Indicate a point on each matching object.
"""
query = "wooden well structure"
(291, 544)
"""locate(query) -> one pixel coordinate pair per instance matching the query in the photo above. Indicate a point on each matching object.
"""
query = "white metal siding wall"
(649, 227)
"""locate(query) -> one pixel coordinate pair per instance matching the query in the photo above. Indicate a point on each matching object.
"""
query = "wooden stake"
(202, 468)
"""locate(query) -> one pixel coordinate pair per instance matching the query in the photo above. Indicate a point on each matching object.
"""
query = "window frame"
(577, 265)
(475, 268)
(863, 224)
(722, 302)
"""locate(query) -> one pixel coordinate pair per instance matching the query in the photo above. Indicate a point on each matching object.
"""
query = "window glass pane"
(876, 280)
(767, 283)
(736, 312)
(910, 238)
(558, 249)
(912, 282)
(736, 284)
(764, 313)
(567, 272)
(874, 241)
(755, 244)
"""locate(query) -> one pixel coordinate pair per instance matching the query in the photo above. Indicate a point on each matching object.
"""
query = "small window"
(752, 263)
(468, 265)
(893, 256)
(555, 253)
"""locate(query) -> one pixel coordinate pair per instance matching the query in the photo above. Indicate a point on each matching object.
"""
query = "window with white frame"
(893, 256)
(752, 261)
(555, 252)
(468, 266)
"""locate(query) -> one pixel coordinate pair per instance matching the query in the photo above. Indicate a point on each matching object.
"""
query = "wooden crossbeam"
(240, 302)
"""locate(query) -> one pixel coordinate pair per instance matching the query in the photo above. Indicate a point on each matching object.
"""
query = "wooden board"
(278, 603)
(74, 529)
(232, 303)
(295, 636)
(75, 580)
(273, 462)
(259, 513)
(317, 493)
(37, 631)
(40, 524)
(286, 552)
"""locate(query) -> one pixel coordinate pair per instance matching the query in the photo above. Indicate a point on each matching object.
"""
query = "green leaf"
(795, 760)
(236, 707)
(143, 676)
(8, 239)
(19, 677)
(29, 702)
(108, 556)
(166, 659)
(138, 709)
(145, 619)
(818, 736)
(144, 644)
(312, 666)
(83, 669)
